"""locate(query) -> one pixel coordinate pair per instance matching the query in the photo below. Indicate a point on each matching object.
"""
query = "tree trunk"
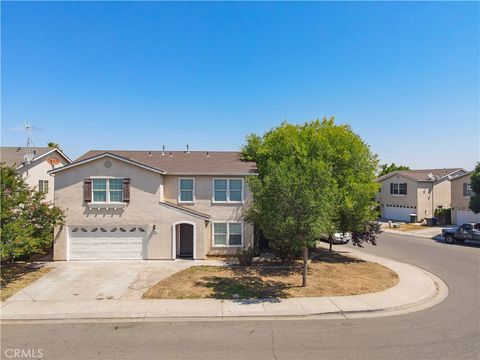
(305, 266)
(330, 240)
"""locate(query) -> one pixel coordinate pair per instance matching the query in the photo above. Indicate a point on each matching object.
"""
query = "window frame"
(180, 201)
(228, 201)
(469, 190)
(228, 233)
(107, 190)
(397, 184)
(41, 188)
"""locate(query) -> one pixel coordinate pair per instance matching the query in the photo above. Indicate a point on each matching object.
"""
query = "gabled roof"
(423, 174)
(466, 174)
(219, 163)
(14, 155)
(102, 155)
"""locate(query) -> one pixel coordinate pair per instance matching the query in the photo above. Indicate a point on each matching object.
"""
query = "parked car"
(338, 238)
(469, 231)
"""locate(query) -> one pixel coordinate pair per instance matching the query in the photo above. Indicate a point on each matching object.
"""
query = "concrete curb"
(417, 290)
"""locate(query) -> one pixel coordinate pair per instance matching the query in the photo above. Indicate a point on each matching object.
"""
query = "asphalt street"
(450, 330)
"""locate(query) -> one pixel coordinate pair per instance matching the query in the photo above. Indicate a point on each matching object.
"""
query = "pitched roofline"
(389, 175)
(107, 154)
(400, 172)
(467, 173)
(60, 152)
(186, 210)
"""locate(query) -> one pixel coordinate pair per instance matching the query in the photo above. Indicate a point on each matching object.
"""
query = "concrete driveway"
(90, 280)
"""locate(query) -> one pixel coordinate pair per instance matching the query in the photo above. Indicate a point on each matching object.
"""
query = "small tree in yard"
(27, 222)
(313, 179)
(292, 192)
(474, 204)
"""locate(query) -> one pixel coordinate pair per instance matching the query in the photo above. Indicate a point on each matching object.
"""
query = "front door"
(186, 240)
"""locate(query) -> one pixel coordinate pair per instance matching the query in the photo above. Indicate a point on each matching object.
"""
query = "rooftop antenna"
(27, 128)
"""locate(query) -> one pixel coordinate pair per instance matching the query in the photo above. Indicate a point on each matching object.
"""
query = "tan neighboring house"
(418, 192)
(33, 164)
(461, 193)
(152, 205)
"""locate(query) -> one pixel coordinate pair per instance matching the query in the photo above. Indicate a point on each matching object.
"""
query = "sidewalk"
(428, 233)
(416, 290)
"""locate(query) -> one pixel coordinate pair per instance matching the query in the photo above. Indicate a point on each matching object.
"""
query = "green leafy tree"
(475, 184)
(27, 221)
(292, 192)
(387, 169)
(313, 179)
(53, 145)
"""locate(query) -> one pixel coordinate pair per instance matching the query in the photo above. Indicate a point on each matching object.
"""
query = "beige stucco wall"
(425, 198)
(385, 198)
(147, 190)
(458, 200)
(37, 170)
(218, 212)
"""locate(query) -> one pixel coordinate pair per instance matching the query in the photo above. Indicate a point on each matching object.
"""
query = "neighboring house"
(418, 192)
(152, 205)
(461, 193)
(33, 164)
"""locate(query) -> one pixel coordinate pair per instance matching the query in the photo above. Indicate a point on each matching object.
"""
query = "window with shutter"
(126, 190)
(87, 190)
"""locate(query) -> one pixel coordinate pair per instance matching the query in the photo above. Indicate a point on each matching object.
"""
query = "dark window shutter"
(465, 190)
(87, 190)
(405, 188)
(391, 188)
(126, 190)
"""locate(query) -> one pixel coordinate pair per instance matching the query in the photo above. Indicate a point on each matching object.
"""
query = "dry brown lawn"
(328, 275)
(410, 227)
(16, 276)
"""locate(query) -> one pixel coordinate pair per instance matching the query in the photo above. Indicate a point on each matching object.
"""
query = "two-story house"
(461, 193)
(418, 192)
(152, 205)
(33, 164)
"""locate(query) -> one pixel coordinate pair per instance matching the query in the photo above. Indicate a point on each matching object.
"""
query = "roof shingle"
(13, 155)
(185, 163)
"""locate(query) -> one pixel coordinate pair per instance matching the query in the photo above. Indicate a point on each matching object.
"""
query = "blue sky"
(125, 75)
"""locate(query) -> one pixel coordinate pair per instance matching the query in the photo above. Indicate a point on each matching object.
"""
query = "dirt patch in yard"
(328, 275)
(16, 276)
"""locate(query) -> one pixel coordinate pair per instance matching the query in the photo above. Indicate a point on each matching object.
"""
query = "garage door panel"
(99, 243)
(398, 213)
(466, 216)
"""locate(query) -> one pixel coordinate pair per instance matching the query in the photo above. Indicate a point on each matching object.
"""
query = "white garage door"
(398, 213)
(107, 242)
(467, 216)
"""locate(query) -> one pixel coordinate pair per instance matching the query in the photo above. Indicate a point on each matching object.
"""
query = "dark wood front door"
(186, 240)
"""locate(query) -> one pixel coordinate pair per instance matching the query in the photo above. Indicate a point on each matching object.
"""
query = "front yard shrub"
(27, 221)
(444, 216)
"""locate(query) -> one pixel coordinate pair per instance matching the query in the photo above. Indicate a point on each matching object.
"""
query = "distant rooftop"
(14, 155)
(424, 174)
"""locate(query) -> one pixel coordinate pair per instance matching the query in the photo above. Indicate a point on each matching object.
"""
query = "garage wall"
(144, 207)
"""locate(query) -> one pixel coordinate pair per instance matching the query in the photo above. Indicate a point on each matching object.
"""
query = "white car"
(338, 238)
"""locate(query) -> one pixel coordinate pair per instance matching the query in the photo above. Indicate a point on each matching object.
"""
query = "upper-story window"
(467, 189)
(109, 190)
(186, 190)
(398, 188)
(43, 186)
(228, 190)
